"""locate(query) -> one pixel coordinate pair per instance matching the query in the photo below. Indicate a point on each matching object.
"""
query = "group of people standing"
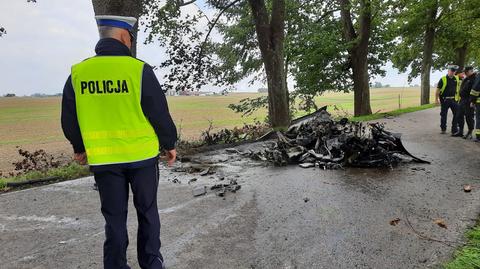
(459, 91)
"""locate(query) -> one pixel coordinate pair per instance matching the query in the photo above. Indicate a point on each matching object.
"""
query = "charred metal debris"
(317, 140)
(203, 170)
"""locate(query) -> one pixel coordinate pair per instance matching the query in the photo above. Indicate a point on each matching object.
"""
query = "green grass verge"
(392, 113)
(67, 172)
(467, 257)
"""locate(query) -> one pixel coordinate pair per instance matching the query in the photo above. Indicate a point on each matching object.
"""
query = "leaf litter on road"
(394, 221)
(441, 223)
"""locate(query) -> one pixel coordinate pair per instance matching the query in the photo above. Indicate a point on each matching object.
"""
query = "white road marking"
(34, 218)
(17, 223)
(26, 258)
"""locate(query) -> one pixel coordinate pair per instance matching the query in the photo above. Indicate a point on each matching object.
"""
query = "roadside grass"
(392, 113)
(67, 172)
(468, 256)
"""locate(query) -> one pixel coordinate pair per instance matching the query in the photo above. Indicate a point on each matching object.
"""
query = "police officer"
(475, 102)
(448, 94)
(465, 111)
(115, 115)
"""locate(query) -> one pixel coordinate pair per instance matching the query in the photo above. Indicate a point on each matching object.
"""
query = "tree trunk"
(358, 53)
(285, 75)
(130, 8)
(428, 42)
(461, 56)
(270, 35)
(361, 87)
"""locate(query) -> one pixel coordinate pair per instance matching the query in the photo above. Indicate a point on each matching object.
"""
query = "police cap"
(116, 21)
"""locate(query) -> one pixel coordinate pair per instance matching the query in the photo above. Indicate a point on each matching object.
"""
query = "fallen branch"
(422, 236)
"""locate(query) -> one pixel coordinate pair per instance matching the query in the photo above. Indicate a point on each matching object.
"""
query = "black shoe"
(468, 135)
(443, 132)
(457, 134)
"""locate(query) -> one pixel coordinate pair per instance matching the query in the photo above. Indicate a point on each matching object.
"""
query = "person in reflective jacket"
(115, 115)
(447, 95)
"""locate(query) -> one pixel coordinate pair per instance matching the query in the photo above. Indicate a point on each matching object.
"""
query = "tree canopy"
(432, 34)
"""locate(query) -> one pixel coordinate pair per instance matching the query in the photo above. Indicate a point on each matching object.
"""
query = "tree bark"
(130, 8)
(361, 87)
(461, 56)
(358, 52)
(271, 35)
(428, 42)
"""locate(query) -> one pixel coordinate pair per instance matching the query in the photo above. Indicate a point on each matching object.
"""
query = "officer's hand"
(81, 158)
(170, 156)
(472, 105)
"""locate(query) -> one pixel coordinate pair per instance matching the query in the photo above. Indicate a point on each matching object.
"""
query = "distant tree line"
(380, 85)
(35, 95)
(45, 95)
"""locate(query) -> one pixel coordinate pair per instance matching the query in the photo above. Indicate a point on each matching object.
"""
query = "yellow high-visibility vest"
(113, 126)
(457, 90)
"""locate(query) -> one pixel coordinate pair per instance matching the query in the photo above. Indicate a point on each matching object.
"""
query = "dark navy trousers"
(113, 186)
(445, 105)
(465, 113)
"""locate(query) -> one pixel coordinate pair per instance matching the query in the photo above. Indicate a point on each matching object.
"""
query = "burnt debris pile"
(318, 140)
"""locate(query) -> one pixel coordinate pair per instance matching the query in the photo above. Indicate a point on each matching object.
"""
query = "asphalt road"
(286, 217)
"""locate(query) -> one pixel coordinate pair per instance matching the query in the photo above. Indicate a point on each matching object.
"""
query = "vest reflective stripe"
(457, 89)
(476, 95)
(115, 134)
(127, 149)
(113, 126)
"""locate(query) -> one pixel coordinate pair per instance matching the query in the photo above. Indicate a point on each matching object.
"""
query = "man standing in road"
(465, 111)
(115, 115)
(475, 102)
(447, 95)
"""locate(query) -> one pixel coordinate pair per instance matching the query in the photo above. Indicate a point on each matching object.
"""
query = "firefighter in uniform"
(465, 111)
(475, 102)
(448, 95)
(115, 115)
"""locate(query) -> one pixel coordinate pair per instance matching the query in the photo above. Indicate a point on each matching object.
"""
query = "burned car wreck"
(319, 140)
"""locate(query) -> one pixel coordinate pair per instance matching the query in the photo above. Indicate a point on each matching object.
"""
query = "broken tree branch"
(183, 3)
(212, 25)
(425, 237)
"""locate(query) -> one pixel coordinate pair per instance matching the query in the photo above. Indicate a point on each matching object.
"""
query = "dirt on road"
(282, 217)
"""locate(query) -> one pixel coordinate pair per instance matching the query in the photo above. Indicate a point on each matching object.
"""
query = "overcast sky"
(44, 39)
